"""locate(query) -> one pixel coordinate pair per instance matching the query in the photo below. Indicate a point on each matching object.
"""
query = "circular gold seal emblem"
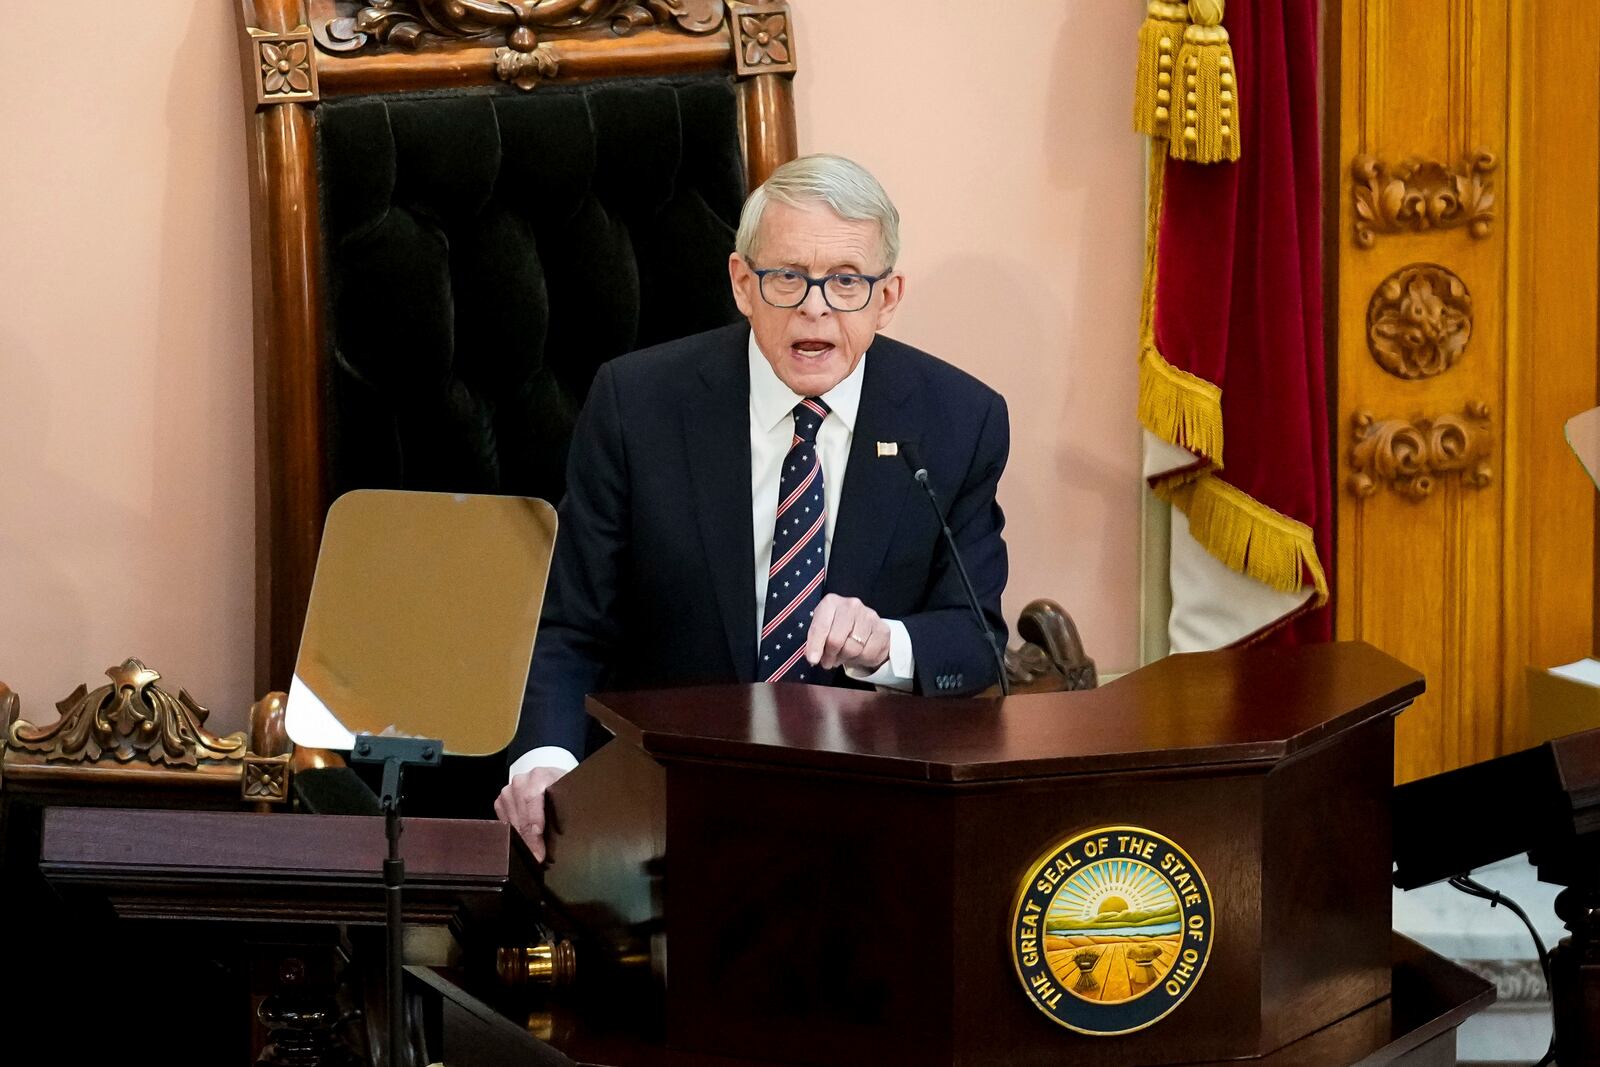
(1111, 930)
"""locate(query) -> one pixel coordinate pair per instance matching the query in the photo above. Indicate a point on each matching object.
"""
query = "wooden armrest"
(1051, 657)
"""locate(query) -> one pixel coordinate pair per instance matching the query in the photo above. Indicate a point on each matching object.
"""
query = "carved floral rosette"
(1419, 321)
(131, 719)
(1422, 194)
(285, 71)
(761, 41)
(1411, 456)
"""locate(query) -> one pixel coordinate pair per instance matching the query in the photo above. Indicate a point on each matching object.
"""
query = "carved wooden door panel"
(1464, 157)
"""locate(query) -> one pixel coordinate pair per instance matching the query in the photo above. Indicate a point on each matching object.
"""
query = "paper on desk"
(1585, 672)
(1583, 434)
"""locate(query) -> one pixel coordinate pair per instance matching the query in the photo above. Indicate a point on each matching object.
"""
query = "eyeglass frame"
(817, 283)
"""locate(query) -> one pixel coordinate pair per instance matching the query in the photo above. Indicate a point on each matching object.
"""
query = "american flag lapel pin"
(888, 448)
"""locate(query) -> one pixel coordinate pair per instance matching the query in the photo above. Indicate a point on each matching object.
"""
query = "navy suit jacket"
(653, 580)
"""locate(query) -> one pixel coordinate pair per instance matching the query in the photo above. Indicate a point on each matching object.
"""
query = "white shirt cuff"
(548, 756)
(899, 671)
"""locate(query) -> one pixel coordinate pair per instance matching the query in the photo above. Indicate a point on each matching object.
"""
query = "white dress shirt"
(771, 433)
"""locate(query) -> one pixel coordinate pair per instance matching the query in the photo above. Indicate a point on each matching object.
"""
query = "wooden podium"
(840, 877)
(763, 875)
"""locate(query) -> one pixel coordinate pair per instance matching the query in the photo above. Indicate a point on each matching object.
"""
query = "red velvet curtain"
(1238, 297)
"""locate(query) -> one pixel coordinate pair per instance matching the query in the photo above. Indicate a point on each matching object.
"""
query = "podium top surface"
(1237, 706)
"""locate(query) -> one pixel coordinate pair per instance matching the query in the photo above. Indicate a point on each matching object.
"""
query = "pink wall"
(126, 500)
(1003, 134)
(126, 464)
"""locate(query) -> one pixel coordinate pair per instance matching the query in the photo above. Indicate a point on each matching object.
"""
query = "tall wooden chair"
(444, 257)
(461, 208)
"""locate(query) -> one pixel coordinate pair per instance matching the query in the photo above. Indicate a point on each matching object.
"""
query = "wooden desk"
(1415, 1026)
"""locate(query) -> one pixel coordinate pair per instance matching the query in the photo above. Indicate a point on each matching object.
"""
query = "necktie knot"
(808, 416)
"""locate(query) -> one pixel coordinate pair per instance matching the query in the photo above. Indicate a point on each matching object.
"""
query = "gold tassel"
(1159, 39)
(1209, 131)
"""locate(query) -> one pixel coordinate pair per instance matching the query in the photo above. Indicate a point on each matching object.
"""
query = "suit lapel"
(716, 421)
(875, 487)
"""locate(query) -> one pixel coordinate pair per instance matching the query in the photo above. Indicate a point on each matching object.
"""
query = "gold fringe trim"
(1210, 114)
(1180, 408)
(1159, 40)
(1249, 537)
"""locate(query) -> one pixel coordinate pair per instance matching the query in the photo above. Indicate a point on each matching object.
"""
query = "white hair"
(842, 184)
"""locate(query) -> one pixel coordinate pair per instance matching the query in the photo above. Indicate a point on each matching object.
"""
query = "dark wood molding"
(766, 102)
(199, 865)
(415, 24)
(642, 54)
(291, 481)
(1282, 706)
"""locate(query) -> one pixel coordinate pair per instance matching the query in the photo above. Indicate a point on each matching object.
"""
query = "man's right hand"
(522, 804)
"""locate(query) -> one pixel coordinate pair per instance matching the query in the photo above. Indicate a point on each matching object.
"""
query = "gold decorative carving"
(286, 70)
(1411, 456)
(525, 70)
(761, 43)
(265, 778)
(1419, 321)
(130, 719)
(10, 711)
(1422, 194)
(514, 24)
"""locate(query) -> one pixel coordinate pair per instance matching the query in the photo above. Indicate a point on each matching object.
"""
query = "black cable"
(1464, 883)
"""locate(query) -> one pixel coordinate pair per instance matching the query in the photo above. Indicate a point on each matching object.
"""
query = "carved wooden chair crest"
(133, 741)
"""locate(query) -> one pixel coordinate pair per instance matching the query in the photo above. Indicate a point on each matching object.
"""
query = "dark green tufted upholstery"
(486, 251)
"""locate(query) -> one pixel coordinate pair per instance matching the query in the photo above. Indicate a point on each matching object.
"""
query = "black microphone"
(919, 473)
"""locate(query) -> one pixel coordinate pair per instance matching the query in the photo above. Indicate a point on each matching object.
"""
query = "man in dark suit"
(738, 509)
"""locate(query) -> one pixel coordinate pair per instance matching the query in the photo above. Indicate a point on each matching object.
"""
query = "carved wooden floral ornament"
(286, 70)
(1419, 321)
(761, 39)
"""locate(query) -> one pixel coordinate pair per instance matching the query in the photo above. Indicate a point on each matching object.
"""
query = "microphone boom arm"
(919, 474)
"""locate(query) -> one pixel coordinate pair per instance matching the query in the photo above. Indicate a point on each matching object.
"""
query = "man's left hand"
(846, 633)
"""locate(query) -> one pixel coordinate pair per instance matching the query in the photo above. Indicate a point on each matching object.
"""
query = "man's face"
(813, 348)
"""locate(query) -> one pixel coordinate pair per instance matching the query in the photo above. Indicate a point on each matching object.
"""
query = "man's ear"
(744, 284)
(890, 292)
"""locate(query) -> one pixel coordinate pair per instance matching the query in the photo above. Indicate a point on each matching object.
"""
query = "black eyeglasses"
(785, 288)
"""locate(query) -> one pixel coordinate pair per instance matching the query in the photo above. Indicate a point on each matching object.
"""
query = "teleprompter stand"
(395, 754)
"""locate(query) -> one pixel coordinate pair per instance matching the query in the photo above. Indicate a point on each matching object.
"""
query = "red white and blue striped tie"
(798, 570)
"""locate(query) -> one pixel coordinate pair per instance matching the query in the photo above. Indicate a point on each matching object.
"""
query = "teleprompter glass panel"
(422, 619)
